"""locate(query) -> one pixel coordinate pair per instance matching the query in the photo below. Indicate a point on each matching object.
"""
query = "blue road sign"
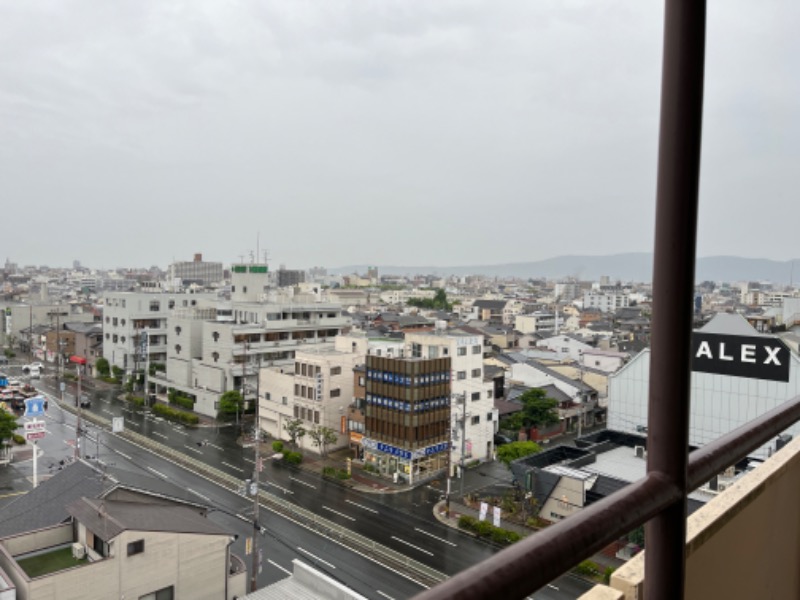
(34, 407)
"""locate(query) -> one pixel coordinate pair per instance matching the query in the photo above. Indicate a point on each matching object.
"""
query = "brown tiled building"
(407, 422)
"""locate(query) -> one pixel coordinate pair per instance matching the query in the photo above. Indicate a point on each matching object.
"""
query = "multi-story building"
(606, 301)
(407, 425)
(135, 325)
(473, 415)
(536, 322)
(196, 271)
(317, 389)
(215, 346)
(290, 277)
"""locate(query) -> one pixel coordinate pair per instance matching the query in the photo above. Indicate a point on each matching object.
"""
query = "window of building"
(476, 395)
(488, 416)
(361, 381)
(136, 547)
(304, 369)
(462, 351)
(336, 370)
(303, 413)
(108, 336)
(336, 393)
(115, 339)
(100, 546)
(297, 368)
(476, 420)
(171, 304)
(316, 417)
(155, 306)
(285, 401)
(461, 375)
(489, 394)
(215, 335)
(267, 396)
(215, 356)
(108, 319)
(476, 372)
(178, 330)
(122, 322)
(167, 593)
(122, 339)
(476, 349)
(177, 348)
(296, 389)
(114, 321)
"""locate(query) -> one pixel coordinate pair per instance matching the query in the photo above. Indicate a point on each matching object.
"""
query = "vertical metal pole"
(78, 422)
(256, 471)
(35, 463)
(449, 461)
(673, 287)
(463, 401)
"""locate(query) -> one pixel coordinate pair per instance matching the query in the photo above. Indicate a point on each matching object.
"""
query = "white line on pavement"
(215, 446)
(300, 481)
(252, 462)
(206, 498)
(552, 586)
(159, 473)
(123, 455)
(277, 566)
(233, 467)
(192, 449)
(384, 595)
(412, 545)
(161, 435)
(105, 410)
(362, 506)
(336, 512)
(179, 431)
(434, 536)
(283, 489)
(324, 562)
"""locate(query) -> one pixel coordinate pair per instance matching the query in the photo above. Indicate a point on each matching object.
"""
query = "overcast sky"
(383, 132)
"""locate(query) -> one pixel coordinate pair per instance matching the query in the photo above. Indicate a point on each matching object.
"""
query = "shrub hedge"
(18, 439)
(335, 473)
(293, 458)
(277, 446)
(484, 529)
(173, 414)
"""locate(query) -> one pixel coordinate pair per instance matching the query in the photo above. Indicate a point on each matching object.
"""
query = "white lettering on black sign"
(740, 356)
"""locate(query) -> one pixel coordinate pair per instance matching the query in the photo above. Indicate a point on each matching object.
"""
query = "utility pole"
(463, 400)
(58, 344)
(78, 422)
(256, 483)
(449, 463)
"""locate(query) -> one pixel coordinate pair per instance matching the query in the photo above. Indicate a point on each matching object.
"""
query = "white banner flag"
(484, 508)
(496, 520)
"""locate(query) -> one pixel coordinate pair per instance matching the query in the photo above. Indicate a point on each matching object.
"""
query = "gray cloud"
(381, 132)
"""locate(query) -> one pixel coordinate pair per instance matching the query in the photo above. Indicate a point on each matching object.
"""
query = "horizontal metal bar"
(530, 564)
(716, 456)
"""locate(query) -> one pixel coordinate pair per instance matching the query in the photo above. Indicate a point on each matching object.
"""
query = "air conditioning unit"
(639, 451)
(78, 551)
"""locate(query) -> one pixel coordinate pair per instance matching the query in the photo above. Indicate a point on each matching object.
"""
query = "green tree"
(8, 426)
(510, 452)
(230, 404)
(102, 366)
(322, 437)
(295, 430)
(117, 372)
(537, 411)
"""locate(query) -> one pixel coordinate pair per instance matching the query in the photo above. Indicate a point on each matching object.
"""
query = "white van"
(35, 372)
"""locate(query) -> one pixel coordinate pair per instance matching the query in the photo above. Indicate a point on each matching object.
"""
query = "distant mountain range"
(634, 266)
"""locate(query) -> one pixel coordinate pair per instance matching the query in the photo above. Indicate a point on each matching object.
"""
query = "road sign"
(34, 435)
(62, 386)
(34, 407)
(34, 426)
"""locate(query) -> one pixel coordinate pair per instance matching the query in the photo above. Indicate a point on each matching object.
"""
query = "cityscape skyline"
(412, 134)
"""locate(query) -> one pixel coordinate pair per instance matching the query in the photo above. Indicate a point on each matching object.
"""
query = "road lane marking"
(233, 467)
(252, 462)
(206, 498)
(384, 595)
(324, 562)
(123, 455)
(277, 566)
(12, 494)
(412, 545)
(159, 473)
(434, 536)
(300, 481)
(215, 446)
(179, 431)
(283, 489)
(161, 435)
(372, 510)
(192, 449)
(108, 412)
(336, 512)
(550, 585)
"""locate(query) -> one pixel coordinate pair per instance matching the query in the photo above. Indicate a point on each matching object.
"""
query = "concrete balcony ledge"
(743, 544)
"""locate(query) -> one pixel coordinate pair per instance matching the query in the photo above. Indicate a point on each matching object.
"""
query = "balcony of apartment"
(45, 559)
(743, 544)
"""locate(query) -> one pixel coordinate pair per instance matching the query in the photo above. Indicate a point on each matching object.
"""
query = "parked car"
(500, 439)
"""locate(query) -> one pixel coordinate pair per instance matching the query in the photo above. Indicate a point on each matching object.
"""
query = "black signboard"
(740, 356)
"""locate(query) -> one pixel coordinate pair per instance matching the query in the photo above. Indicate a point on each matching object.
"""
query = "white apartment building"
(474, 417)
(605, 301)
(511, 310)
(129, 316)
(566, 345)
(403, 296)
(537, 322)
(317, 389)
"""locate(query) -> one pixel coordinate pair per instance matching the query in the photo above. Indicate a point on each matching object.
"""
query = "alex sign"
(754, 357)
